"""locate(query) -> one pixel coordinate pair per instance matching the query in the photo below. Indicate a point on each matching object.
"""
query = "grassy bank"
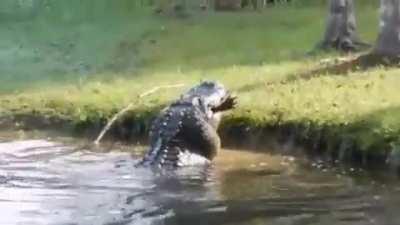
(253, 54)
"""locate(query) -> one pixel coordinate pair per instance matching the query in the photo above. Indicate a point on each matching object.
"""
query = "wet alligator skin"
(185, 133)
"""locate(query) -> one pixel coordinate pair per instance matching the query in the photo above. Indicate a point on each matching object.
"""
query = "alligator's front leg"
(200, 136)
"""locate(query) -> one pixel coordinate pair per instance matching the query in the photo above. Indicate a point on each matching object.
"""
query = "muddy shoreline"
(316, 141)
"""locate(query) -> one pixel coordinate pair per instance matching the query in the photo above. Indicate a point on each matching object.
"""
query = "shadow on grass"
(344, 66)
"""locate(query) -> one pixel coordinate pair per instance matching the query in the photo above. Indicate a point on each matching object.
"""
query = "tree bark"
(388, 43)
(341, 31)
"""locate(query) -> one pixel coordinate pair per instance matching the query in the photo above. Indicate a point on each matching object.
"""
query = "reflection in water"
(43, 182)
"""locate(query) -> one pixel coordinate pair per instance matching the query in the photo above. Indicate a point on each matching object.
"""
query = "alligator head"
(212, 97)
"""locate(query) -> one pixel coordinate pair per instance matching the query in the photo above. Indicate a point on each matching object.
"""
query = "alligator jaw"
(227, 104)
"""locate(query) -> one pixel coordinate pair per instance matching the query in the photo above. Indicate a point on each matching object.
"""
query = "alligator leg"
(201, 135)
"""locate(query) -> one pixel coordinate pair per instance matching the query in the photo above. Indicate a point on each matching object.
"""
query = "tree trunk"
(388, 43)
(176, 8)
(341, 31)
(227, 5)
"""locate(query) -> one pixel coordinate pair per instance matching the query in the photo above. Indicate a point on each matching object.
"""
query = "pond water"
(60, 183)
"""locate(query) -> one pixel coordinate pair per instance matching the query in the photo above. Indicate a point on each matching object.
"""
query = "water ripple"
(45, 182)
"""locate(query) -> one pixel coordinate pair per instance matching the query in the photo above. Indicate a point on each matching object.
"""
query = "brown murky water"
(51, 182)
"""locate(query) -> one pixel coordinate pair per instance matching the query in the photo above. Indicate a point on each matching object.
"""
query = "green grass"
(363, 106)
(253, 53)
(67, 45)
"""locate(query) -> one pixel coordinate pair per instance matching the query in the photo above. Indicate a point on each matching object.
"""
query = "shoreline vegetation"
(75, 78)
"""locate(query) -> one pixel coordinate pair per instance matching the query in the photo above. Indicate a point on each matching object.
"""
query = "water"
(47, 182)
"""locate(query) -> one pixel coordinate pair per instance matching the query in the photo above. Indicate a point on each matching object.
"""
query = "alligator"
(185, 132)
